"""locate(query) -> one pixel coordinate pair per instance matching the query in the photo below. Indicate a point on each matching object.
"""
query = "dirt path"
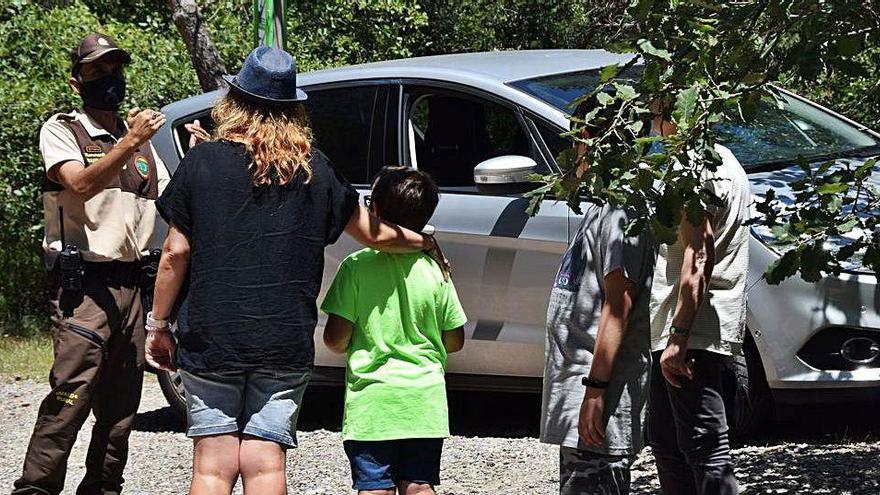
(494, 449)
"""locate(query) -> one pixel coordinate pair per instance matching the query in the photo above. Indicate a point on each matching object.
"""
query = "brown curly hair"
(278, 138)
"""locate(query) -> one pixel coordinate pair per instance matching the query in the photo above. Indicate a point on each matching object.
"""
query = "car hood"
(780, 180)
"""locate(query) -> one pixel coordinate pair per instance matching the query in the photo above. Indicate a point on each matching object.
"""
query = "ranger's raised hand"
(143, 124)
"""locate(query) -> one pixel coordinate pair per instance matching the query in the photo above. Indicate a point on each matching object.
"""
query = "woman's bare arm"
(373, 232)
(172, 272)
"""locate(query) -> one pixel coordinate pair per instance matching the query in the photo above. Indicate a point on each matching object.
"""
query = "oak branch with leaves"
(702, 63)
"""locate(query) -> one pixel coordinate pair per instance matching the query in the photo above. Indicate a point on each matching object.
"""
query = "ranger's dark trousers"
(98, 368)
(687, 429)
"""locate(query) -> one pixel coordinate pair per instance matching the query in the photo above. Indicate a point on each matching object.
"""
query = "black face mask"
(105, 93)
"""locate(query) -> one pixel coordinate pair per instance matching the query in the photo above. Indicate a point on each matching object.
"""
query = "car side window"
(205, 120)
(556, 144)
(450, 134)
(341, 121)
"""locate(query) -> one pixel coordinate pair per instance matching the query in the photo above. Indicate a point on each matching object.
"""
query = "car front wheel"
(748, 400)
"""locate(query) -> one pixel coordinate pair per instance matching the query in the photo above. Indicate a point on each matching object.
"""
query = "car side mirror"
(504, 170)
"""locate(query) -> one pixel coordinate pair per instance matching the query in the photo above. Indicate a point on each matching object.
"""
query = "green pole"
(269, 26)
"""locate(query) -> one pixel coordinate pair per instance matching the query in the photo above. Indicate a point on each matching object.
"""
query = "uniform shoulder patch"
(142, 166)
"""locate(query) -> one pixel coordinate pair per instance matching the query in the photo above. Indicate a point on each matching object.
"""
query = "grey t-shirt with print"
(599, 247)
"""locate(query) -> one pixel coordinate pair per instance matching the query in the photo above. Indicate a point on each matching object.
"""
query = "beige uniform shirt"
(117, 223)
(720, 321)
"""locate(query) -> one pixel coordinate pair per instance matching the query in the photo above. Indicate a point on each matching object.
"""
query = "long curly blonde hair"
(279, 139)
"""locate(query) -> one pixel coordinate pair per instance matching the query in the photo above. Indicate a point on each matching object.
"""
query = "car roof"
(498, 66)
(486, 71)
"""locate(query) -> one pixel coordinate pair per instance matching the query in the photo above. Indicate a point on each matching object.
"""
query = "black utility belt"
(112, 266)
(123, 270)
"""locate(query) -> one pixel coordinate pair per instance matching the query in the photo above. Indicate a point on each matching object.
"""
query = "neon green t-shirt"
(399, 305)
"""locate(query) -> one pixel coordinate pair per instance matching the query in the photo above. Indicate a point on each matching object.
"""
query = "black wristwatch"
(674, 330)
(593, 383)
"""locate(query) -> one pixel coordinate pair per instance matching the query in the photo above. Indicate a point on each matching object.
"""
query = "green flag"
(269, 28)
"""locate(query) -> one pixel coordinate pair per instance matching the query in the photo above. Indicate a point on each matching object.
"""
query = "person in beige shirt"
(105, 175)
(698, 310)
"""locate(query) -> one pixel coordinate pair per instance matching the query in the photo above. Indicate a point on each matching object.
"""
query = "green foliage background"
(34, 68)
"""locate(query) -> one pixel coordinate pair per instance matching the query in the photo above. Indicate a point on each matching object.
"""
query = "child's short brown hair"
(405, 196)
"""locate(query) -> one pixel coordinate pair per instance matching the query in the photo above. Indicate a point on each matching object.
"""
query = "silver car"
(478, 123)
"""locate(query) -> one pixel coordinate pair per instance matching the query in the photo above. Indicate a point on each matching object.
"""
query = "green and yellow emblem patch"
(142, 166)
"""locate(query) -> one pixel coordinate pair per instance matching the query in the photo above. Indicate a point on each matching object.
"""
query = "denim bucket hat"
(267, 77)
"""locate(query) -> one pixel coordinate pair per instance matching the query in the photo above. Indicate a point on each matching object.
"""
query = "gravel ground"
(494, 449)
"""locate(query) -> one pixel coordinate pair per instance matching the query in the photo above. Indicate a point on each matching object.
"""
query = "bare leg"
(215, 464)
(263, 464)
(405, 487)
(390, 491)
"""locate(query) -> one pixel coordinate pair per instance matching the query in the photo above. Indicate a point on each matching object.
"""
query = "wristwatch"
(154, 323)
(674, 330)
(593, 383)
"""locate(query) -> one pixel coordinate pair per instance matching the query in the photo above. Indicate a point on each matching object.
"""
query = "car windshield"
(798, 129)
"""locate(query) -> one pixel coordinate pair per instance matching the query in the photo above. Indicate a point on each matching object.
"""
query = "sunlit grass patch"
(24, 358)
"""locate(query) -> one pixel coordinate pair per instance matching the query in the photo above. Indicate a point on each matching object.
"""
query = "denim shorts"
(379, 465)
(262, 403)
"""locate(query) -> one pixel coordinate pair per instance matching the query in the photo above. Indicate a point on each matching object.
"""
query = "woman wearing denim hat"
(250, 213)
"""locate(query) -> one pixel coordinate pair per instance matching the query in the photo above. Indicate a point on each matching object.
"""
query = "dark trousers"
(98, 368)
(582, 472)
(687, 429)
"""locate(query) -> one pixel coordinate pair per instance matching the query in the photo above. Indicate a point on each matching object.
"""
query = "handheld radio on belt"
(70, 264)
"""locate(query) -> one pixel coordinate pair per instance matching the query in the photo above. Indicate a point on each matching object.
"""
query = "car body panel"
(848, 301)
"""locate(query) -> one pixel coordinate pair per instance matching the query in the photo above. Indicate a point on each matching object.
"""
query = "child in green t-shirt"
(397, 317)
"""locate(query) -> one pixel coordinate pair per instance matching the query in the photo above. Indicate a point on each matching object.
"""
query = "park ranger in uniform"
(105, 175)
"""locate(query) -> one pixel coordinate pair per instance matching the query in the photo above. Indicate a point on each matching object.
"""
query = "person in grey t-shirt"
(598, 329)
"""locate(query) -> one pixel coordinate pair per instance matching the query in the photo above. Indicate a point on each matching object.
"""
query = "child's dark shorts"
(379, 465)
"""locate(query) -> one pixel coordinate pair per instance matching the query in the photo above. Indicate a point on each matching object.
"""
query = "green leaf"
(781, 234)
(848, 225)
(847, 252)
(664, 234)
(635, 127)
(849, 46)
(832, 188)
(536, 196)
(814, 261)
(871, 259)
(604, 98)
(620, 47)
(753, 78)
(648, 139)
(686, 104)
(783, 267)
(649, 49)
(608, 72)
(865, 169)
(625, 92)
(824, 167)
(748, 106)
(834, 204)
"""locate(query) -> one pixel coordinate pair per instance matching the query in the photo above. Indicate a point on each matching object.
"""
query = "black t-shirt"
(256, 258)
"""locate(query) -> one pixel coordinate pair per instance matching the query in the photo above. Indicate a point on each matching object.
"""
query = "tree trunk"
(205, 58)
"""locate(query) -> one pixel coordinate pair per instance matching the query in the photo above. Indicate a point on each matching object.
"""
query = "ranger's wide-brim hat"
(267, 77)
